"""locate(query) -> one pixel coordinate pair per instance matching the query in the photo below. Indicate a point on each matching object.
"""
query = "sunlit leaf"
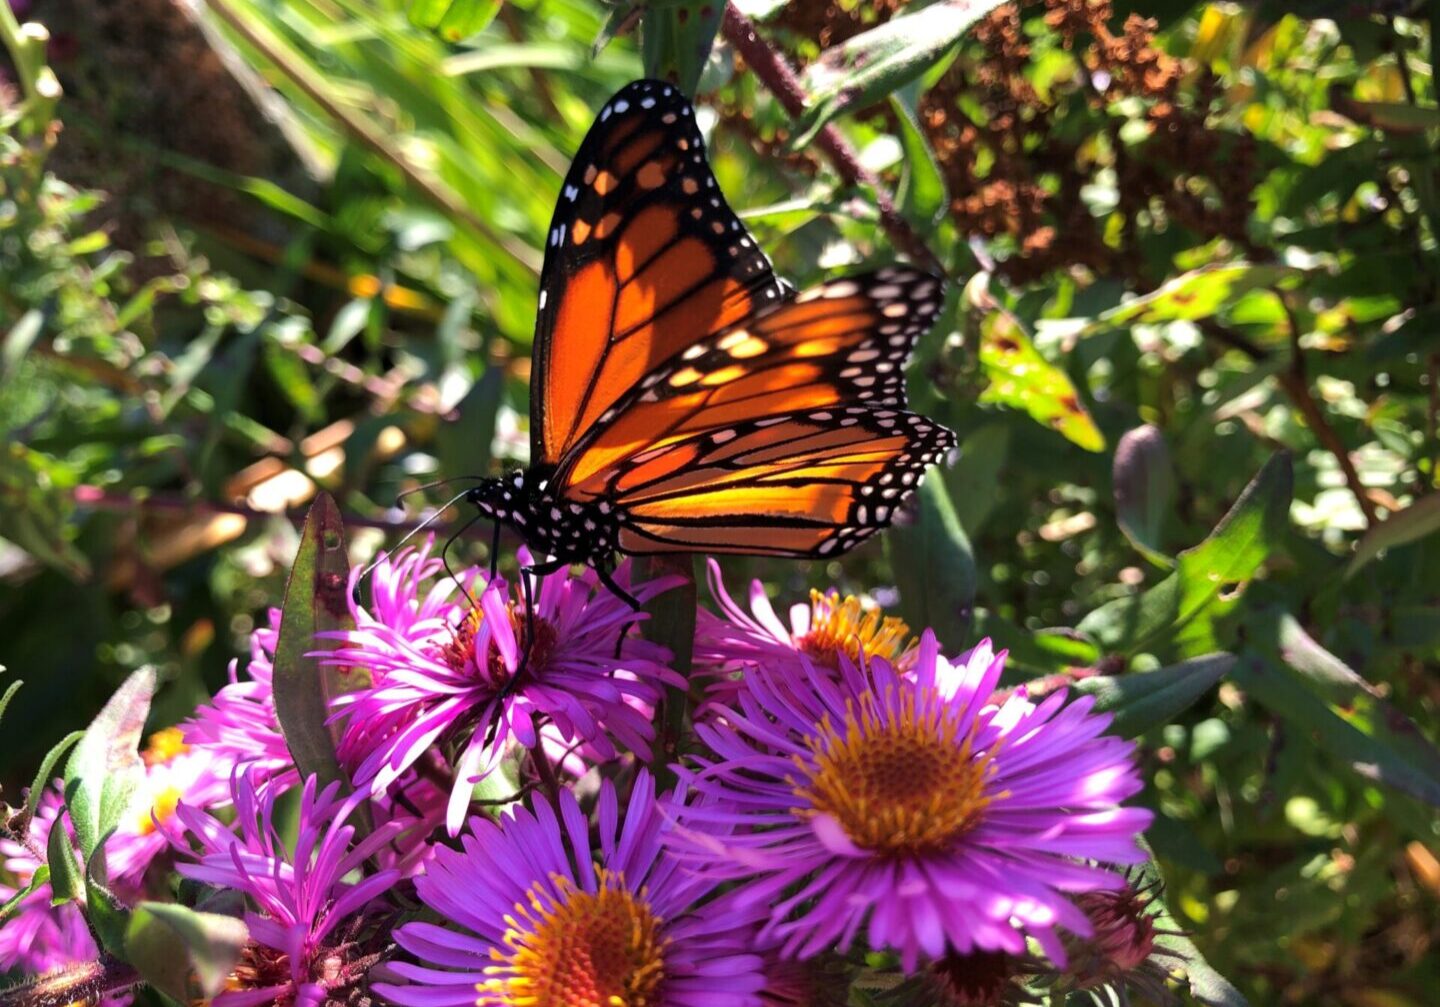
(675, 40)
(1195, 295)
(182, 952)
(1019, 377)
(453, 20)
(874, 64)
(315, 602)
(921, 196)
(1228, 558)
(1420, 519)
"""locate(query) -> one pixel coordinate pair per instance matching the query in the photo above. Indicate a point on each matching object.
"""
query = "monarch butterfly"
(683, 398)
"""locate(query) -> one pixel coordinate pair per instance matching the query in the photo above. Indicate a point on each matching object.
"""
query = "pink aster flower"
(39, 937)
(174, 772)
(239, 727)
(908, 806)
(307, 915)
(829, 630)
(539, 915)
(437, 670)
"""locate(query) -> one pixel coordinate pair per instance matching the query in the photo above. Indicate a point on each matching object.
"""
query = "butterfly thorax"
(550, 526)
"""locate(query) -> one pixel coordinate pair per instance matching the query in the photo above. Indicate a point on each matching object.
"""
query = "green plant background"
(1190, 257)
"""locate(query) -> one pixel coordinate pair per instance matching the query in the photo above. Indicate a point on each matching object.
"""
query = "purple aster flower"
(307, 916)
(906, 802)
(239, 727)
(825, 632)
(540, 916)
(39, 937)
(438, 668)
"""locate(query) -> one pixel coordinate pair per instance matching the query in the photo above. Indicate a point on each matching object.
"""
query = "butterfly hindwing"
(643, 257)
(810, 485)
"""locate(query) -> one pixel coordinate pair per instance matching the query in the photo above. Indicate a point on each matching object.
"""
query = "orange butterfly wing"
(785, 435)
(643, 258)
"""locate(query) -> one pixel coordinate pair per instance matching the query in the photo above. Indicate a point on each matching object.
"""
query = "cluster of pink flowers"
(508, 837)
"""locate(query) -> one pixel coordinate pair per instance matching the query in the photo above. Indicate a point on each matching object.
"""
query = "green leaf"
(1145, 699)
(209, 946)
(1019, 377)
(1348, 695)
(675, 40)
(9, 695)
(1421, 518)
(1399, 117)
(105, 769)
(1227, 558)
(42, 779)
(934, 567)
(1198, 294)
(66, 882)
(36, 882)
(874, 64)
(453, 20)
(1144, 479)
(315, 602)
(1269, 682)
(922, 195)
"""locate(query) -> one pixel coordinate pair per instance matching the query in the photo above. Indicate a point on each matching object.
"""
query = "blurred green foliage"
(1194, 375)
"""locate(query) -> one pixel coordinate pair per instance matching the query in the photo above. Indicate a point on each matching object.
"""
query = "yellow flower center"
(161, 808)
(898, 782)
(845, 627)
(601, 949)
(163, 746)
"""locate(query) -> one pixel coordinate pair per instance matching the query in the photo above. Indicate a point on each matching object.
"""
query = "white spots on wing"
(622, 105)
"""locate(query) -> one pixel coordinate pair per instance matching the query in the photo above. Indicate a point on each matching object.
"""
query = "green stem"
(26, 44)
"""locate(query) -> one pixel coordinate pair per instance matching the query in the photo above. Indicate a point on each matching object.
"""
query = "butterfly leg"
(527, 592)
(603, 571)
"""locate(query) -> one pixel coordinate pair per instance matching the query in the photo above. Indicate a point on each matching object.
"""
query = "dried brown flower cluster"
(1017, 159)
(1016, 172)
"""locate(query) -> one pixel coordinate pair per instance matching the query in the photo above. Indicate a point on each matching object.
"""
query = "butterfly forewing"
(843, 342)
(643, 258)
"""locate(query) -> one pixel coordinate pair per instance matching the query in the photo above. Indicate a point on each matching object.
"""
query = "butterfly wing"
(643, 258)
(785, 435)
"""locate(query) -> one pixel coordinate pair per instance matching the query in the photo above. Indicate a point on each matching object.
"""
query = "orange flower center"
(601, 949)
(161, 807)
(898, 782)
(845, 627)
(459, 651)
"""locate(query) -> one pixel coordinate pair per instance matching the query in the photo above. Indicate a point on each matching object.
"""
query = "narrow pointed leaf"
(37, 881)
(922, 196)
(66, 882)
(42, 779)
(675, 41)
(1420, 519)
(934, 567)
(1198, 294)
(1142, 700)
(453, 20)
(315, 602)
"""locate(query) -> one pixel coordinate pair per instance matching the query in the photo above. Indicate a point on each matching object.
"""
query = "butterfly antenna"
(385, 554)
(400, 497)
(445, 558)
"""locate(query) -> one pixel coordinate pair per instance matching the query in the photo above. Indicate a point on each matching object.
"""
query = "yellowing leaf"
(1022, 379)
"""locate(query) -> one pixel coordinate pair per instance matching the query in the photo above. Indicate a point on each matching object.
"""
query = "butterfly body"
(684, 398)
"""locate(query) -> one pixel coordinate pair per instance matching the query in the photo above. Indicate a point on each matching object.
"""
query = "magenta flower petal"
(536, 910)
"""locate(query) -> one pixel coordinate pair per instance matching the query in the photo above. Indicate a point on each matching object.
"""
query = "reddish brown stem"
(782, 82)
